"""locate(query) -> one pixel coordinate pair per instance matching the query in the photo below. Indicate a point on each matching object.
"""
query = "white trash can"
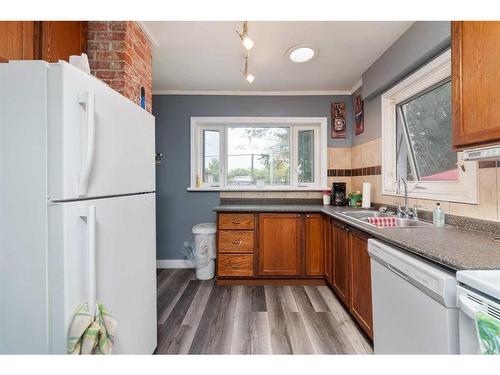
(204, 250)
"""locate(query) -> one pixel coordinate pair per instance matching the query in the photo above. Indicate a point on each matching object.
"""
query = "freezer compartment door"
(99, 142)
(105, 249)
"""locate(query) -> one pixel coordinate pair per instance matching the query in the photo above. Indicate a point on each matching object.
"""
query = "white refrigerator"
(77, 208)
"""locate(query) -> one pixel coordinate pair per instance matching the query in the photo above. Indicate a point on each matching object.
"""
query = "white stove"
(479, 290)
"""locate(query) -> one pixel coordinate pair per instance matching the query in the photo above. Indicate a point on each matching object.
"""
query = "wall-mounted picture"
(359, 122)
(339, 128)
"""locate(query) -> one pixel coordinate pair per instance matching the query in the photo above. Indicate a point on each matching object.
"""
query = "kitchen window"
(259, 153)
(416, 138)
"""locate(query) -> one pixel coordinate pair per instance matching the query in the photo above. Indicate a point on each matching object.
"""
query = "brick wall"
(120, 54)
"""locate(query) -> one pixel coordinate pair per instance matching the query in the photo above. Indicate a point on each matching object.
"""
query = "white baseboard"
(174, 263)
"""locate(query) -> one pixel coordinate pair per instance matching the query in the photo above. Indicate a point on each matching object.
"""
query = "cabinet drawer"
(236, 241)
(236, 221)
(235, 265)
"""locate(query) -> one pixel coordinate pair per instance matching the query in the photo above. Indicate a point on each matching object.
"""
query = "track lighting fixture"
(245, 39)
(247, 75)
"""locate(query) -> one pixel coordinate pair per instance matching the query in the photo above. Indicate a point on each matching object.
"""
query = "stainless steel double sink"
(363, 215)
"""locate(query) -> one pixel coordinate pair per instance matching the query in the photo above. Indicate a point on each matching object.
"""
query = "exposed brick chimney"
(120, 54)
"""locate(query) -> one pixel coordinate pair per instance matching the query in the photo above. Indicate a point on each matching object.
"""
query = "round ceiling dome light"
(300, 54)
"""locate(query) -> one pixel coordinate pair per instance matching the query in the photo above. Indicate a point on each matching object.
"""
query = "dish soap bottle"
(438, 216)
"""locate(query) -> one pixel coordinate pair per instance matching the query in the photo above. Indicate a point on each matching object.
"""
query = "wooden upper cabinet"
(279, 244)
(340, 260)
(360, 299)
(42, 40)
(17, 40)
(475, 52)
(60, 39)
(314, 245)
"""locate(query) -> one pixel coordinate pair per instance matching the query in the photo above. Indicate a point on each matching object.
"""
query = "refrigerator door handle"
(90, 218)
(88, 99)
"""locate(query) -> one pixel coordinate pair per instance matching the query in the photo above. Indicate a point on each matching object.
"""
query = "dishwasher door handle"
(396, 271)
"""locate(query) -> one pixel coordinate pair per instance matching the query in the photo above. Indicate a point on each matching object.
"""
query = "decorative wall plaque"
(359, 123)
(339, 126)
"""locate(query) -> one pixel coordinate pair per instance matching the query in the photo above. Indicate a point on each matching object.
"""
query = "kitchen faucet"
(405, 211)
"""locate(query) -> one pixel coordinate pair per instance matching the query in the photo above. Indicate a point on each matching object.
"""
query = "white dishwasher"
(414, 304)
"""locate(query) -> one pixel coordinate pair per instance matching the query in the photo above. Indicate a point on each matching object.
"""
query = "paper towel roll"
(367, 188)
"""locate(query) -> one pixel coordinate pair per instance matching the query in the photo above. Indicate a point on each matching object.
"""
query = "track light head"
(249, 77)
(245, 39)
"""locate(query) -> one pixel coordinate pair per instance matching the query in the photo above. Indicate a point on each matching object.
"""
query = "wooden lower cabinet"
(282, 245)
(327, 246)
(314, 245)
(279, 244)
(340, 261)
(360, 301)
(350, 276)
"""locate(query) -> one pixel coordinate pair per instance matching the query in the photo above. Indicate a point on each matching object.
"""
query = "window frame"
(465, 189)
(318, 124)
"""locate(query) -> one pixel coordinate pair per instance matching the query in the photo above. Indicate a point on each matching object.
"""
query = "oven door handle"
(468, 307)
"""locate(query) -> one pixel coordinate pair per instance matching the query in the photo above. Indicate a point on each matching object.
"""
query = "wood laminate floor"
(199, 317)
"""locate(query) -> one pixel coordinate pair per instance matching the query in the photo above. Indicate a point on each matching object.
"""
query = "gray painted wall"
(419, 44)
(422, 41)
(373, 120)
(372, 116)
(177, 209)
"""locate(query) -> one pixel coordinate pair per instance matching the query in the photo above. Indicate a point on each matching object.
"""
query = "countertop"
(452, 247)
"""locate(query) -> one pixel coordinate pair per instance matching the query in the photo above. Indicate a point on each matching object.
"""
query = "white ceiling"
(208, 56)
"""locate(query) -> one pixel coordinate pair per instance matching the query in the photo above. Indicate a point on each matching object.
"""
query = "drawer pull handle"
(237, 242)
(236, 222)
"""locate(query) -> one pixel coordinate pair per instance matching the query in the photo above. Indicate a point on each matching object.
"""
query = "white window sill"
(277, 188)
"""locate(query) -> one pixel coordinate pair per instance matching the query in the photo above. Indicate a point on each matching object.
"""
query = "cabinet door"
(279, 245)
(475, 50)
(360, 280)
(314, 246)
(327, 247)
(60, 39)
(341, 261)
(17, 40)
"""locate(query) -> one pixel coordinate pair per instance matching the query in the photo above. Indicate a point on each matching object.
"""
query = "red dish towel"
(383, 221)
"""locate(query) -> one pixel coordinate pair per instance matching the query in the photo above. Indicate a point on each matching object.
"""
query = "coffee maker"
(339, 197)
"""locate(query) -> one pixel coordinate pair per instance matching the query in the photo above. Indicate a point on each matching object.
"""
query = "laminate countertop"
(452, 247)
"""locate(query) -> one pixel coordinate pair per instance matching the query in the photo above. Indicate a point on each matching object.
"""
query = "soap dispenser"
(438, 216)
